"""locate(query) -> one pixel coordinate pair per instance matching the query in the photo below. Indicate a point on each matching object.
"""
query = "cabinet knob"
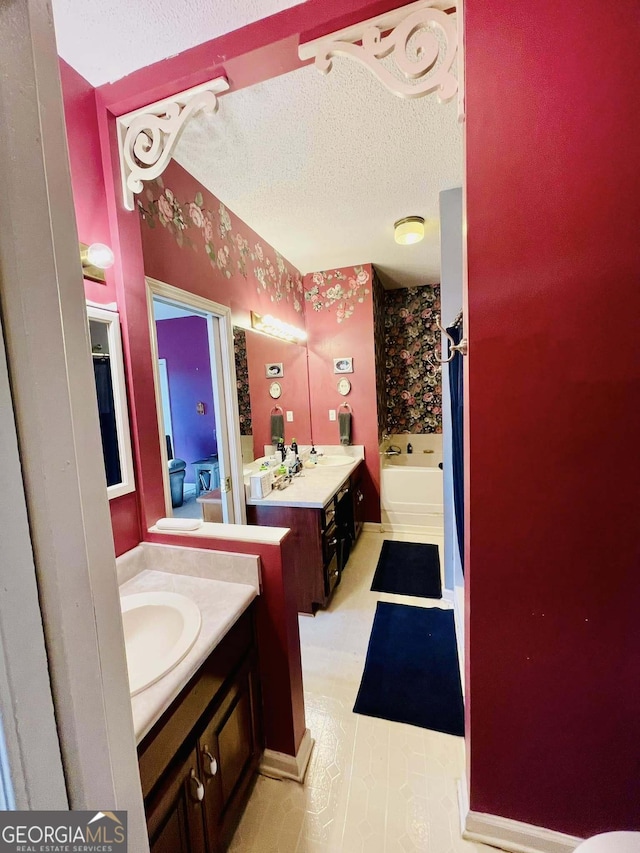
(197, 788)
(211, 764)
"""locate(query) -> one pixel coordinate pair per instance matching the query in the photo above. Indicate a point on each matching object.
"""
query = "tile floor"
(372, 785)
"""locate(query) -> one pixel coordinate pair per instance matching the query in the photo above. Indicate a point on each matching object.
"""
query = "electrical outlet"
(289, 417)
(332, 414)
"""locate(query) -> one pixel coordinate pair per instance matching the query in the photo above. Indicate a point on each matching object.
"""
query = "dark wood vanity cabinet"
(318, 540)
(357, 498)
(198, 763)
(175, 814)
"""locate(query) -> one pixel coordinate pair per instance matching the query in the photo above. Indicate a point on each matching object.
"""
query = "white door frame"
(49, 364)
(223, 375)
(27, 717)
(165, 395)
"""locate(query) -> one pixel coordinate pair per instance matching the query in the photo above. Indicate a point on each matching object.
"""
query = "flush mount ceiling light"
(95, 258)
(409, 230)
(277, 328)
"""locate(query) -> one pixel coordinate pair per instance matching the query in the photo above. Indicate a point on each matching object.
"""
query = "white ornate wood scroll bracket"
(421, 38)
(147, 137)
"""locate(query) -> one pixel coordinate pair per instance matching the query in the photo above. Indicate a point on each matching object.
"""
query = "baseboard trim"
(412, 529)
(371, 527)
(280, 765)
(463, 803)
(511, 835)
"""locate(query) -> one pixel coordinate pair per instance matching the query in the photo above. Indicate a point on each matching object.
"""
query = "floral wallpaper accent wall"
(379, 345)
(413, 383)
(242, 380)
(337, 289)
(211, 227)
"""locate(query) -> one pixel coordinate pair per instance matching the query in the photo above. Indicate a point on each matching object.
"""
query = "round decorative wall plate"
(344, 386)
(275, 390)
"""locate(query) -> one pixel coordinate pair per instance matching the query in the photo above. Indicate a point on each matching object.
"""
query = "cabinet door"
(229, 749)
(358, 509)
(175, 813)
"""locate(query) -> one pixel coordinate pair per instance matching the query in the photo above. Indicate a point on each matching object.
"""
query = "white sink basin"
(160, 628)
(334, 461)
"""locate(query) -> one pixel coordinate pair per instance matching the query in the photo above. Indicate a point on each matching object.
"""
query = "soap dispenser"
(409, 448)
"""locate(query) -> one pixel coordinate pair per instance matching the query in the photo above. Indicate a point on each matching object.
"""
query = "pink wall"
(263, 350)
(340, 323)
(184, 343)
(89, 196)
(553, 206)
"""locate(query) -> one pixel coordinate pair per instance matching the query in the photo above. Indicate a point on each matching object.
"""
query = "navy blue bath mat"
(411, 672)
(408, 568)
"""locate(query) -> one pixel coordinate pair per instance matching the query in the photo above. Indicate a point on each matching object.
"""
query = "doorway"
(194, 376)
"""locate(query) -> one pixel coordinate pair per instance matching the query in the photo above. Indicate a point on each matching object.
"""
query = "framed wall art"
(343, 365)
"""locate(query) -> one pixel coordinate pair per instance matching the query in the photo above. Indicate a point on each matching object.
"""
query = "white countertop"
(231, 532)
(311, 489)
(221, 604)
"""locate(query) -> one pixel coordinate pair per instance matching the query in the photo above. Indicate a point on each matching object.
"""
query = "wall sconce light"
(409, 230)
(95, 258)
(277, 328)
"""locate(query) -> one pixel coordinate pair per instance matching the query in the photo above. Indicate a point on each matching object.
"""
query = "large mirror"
(266, 366)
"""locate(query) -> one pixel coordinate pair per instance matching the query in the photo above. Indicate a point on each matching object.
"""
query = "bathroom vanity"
(324, 510)
(198, 723)
(199, 760)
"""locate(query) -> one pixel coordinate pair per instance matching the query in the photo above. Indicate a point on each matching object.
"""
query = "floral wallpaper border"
(334, 288)
(193, 224)
(413, 382)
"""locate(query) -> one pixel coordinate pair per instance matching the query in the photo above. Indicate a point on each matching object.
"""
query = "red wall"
(344, 328)
(553, 207)
(263, 350)
(93, 227)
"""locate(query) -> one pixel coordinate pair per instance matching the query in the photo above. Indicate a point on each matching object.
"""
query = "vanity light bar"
(277, 328)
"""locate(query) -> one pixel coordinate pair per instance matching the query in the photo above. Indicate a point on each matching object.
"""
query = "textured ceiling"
(322, 166)
(105, 40)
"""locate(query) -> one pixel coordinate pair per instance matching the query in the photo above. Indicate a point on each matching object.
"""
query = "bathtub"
(411, 490)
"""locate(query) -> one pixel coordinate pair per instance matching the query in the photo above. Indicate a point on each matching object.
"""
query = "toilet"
(611, 842)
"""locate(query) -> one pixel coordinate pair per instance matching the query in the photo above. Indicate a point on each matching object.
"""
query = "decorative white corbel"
(147, 137)
(423, 61)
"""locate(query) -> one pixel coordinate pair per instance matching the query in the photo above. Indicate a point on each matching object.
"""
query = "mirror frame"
(111, 320)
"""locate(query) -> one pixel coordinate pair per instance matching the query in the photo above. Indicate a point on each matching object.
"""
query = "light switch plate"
(290, 417)
(332, 414)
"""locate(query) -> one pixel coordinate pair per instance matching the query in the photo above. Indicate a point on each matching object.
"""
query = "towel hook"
(277, 409)
(347, 406)
(462, 347)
